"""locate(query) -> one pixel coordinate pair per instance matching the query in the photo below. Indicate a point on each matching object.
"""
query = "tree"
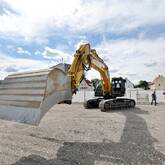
(142, 84)
(96, 82)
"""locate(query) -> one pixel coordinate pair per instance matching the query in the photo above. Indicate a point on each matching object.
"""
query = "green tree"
(142, 84)
(96, 82)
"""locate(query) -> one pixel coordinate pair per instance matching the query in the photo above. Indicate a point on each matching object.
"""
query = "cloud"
(12, 68)
(10, 65)
(35, 17)
(5, 8)
(128, 74)
(151, 64)
(37, 52)
(23, 51)
(46, 22)
(113, 70)
(36, 20)
(83, 40)
(56, 55)
(134, 57)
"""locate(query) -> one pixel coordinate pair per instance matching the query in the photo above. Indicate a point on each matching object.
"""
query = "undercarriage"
(109, 104)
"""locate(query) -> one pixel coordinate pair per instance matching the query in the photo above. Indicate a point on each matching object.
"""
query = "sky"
(128, 34)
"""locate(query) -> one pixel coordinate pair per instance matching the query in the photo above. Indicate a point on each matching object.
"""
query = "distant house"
(85, 85)
(158, 83)
(85, 91)
(151, 85)
(128, 84)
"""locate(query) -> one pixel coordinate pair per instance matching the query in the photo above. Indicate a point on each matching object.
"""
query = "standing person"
(153, 98)
(164, 94)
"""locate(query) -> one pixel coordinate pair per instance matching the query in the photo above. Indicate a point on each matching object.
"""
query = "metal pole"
(84, 95)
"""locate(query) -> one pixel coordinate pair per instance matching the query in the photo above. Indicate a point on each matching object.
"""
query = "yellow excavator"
(87, 58)
(26, 97)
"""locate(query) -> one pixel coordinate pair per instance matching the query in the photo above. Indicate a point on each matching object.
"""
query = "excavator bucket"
(26, 97)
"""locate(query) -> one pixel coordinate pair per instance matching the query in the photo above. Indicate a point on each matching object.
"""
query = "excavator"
(87, 58)
(26, 97)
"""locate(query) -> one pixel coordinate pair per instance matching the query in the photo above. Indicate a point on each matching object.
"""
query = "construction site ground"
(71, 135)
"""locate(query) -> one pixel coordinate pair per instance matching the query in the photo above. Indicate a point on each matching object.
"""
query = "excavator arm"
(86, 58)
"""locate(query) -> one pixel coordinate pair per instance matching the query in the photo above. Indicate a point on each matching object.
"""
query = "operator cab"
(118, 87)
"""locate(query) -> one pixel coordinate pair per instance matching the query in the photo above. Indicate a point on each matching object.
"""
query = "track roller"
(119, 103)
(92, 103)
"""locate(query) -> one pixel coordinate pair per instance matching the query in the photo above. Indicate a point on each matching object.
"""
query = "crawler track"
(109, 104)
(119, 103)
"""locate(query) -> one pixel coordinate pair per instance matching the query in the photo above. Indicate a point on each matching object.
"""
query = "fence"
(139, 95)
(145, 96)
(81, 96)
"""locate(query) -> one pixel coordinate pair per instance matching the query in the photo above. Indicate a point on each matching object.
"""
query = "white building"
(85, 91)
(128, 84)
(85, 85)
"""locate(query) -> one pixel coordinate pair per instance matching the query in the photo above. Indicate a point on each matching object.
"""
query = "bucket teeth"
(26, 97)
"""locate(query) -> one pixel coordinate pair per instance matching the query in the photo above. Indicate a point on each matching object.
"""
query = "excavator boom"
(86, 58)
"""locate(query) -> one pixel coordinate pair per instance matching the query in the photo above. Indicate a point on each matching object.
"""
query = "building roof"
(127, 80)
(158, 77)
(150, 83)
(87, 81)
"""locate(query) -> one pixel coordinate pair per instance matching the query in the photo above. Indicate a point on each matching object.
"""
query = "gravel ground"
(71, 135)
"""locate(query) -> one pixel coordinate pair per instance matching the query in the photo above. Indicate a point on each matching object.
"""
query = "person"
(153, 98)
(164, 94)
